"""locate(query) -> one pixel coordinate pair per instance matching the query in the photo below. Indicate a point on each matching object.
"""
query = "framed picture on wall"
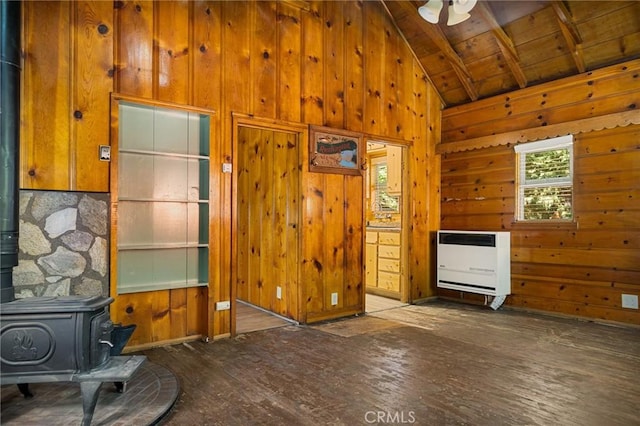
(335, 151)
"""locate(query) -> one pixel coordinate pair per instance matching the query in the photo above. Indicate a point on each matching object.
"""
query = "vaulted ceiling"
(509, 45)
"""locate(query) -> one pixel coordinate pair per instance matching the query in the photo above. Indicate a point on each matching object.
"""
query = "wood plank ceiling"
(508, 45)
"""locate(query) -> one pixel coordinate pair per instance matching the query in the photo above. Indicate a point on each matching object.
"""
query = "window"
(545, 180)
(382, 201)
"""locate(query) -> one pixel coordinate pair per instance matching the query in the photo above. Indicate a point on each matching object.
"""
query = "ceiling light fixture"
(458, 11)
(430, 11)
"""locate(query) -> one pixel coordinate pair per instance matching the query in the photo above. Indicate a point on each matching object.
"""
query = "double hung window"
(545, 180)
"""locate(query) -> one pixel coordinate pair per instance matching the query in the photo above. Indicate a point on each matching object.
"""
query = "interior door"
(268, 191)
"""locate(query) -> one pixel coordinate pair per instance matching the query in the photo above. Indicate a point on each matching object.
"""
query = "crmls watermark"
(390, 417)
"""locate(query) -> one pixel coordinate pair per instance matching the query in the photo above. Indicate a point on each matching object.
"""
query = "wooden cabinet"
(383, 263)
(371, 259)
(394, 170)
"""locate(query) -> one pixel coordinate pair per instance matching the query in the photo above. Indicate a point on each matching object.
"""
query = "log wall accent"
(580, 270)
(337, 64)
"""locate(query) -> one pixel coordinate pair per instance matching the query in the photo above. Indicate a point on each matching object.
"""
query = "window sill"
(544, 224)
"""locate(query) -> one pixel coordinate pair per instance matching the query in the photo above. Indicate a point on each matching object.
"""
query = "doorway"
(266, 233)
(385, 247)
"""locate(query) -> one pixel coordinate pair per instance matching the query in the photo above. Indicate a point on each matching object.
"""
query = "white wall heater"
(475, 262)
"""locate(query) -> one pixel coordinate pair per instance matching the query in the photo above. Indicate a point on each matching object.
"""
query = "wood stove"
(43, 339)
(51, 339)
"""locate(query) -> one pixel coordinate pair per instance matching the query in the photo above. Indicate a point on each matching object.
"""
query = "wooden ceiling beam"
(437, 36)
(570, 33)
(505, 44)
(434, 32)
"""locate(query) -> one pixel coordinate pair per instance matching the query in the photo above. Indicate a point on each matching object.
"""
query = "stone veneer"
(63, 244)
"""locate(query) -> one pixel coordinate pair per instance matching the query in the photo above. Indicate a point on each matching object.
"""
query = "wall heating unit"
(475, 262)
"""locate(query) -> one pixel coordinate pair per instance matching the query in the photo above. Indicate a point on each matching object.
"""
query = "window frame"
(551, 144)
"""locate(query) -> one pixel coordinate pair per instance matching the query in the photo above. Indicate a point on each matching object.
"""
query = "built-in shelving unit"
(163, 198)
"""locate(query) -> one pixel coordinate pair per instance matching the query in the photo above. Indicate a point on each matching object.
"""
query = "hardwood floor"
(435, 364)
(250, 318)
(376, 303)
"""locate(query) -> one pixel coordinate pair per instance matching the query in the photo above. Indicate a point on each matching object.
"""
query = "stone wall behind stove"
(63, 243)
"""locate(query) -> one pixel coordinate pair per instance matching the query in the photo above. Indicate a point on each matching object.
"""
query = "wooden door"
(268, 190)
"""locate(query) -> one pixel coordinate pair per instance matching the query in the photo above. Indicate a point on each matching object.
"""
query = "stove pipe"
(10, 33)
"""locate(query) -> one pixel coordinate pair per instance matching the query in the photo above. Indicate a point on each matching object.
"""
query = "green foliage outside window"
(546, 191)
(383, 201)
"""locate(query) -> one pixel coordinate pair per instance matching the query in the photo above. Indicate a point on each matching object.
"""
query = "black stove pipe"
(10, 33)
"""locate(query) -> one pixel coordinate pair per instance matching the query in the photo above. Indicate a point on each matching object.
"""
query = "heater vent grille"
(475, 262)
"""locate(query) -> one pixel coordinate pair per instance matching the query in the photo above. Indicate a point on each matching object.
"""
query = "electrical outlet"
(334, 299)
(223, 306)
(630, 301)
(279, 292)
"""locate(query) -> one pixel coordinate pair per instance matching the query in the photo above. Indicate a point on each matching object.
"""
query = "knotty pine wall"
(339, 64)
(579, 270)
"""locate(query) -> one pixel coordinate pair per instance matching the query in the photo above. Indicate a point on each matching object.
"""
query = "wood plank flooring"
(375, 303)
(250, 318)
(440, 363)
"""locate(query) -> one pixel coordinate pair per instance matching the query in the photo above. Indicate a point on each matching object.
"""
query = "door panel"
(267, 227)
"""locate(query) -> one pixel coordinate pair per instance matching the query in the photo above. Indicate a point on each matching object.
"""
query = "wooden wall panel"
(172, 74)
(582, 270)
(316, 62)
(265, 278)
(312, 67)
(68, 75)
(354, 286)
(133, 48)
(236, 56)
(264, 60)
(46, 124)
(92, 82)
(354, 66)
(312, 247)
(334, 53)
(374, 47)
(597, 93)
(333, 256)
(423, 188)
(390, 114)
(289, 59)
(207, 92)
(291, 307)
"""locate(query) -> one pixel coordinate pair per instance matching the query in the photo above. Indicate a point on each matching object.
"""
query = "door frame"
(405, 291)
(246, 120)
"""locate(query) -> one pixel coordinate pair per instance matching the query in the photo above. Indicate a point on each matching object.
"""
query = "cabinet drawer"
(392, 238)
(392, 252)
(371, 237)
(389, 281)
(389, 265)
